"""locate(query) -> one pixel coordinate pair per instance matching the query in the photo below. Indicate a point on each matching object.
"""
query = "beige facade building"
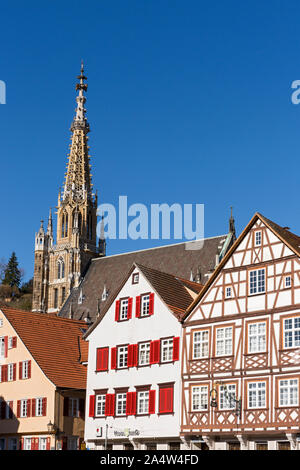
(58, 267)
(42, 381)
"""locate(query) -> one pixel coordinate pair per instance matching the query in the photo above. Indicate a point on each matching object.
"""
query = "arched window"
(60, 269)
(64, 225)
(79, 222)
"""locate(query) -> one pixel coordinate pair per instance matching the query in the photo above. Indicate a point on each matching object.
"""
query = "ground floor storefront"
(171, 443)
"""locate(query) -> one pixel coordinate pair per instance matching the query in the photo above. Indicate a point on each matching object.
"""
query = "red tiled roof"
(55, 343)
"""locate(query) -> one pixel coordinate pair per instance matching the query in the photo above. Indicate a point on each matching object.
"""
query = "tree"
(12, 273)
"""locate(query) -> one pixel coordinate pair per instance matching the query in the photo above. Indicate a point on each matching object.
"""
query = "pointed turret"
(232, 225)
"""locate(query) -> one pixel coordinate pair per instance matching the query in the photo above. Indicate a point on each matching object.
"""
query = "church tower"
(58, 268)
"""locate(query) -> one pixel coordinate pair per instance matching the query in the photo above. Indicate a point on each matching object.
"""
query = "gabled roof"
(55, 344)
(108, 272)
(287, 237)
(173, 291)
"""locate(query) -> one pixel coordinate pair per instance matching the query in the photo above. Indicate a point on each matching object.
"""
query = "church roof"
(55, 343)
(108, 272)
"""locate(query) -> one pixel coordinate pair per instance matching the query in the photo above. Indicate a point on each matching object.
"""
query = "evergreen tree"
(12, 273)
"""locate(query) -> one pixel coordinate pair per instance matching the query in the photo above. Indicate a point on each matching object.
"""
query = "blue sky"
(188, 101)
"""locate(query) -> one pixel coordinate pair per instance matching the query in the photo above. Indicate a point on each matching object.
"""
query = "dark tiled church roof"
(109, 272)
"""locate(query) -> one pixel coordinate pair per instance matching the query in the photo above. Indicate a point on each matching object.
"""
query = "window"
(257, 337)
(23, 413)
(102, 359)
(1, 322)
(257, 281)
(100, 405)
(288, 392)
(166, 397)
(135, 278)
(121, 404)
(123, 309)
(72, 443)
(43, 443)
(200, 344)
(2, 347)
(145, 305)
(12, 443)
(2, 443)
(74, 407)
(167, 350)
(257, 395)
(287, 281)
(258, 238)
(224, 341)
(144, 354)
(227, 396)
(122, 356)
(228, 292)
(143, 402)
(63, 294)
(27, 443)
(200, 398)
(10, 372)
(291, 332)
(9, 409)
(55, 298)
(25, 369)
(10, 342)
(60, 269)
(39, 407)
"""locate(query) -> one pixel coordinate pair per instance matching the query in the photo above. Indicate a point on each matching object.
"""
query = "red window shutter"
(151, 304)
(15, 371)
(32, 443)
(4, 373)
(14, 342)
(20, 370)
(33, 405)
(151, 402)
(18, 408)
(48, 443)
(117, 311)
(154, 352)
(102, 359)
(112, 405)
(29, 369)
(166, 399)
(66, 406)
(135, 355)
(44, 406)
(129, 312)
(92, 406)
(128, 403)
(176, 349)
(22, 443)
(1, 380)
(113, 358)
(28, 414)
(130, 355)
(138, 306)
(5, 346)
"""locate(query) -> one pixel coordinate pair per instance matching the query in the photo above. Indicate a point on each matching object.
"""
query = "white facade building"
(134, 366)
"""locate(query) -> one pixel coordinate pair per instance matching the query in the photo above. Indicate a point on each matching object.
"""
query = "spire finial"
(232, 224)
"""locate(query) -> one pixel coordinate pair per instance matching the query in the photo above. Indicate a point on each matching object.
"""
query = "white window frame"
(145, 305)
(288, 282)
(257, 238)
(144, 354)
(257, 281)
(100, 405)
(124, 309)
(257, 394)
(199, 398)
(143, 402)
(43, 443)
(166, 348)
(289, 334)
(228, 292)
(122, 357)
(10, 342)
(23, 408)
(257, 341)
(39, 406)
(25, 369)
(288, 392)
(121, 399)
(200, 344)
(227, 403)
(2, 347)
(27, 440)
(10, 372)
(224, 341)
(7, 408)
(73, 407)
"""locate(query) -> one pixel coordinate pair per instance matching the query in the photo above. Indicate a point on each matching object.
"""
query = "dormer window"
(104, 294)
(257, 238)
(135, 278)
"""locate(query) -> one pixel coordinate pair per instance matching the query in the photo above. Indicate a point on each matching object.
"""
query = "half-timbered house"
(134, 365)
(241, 346)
